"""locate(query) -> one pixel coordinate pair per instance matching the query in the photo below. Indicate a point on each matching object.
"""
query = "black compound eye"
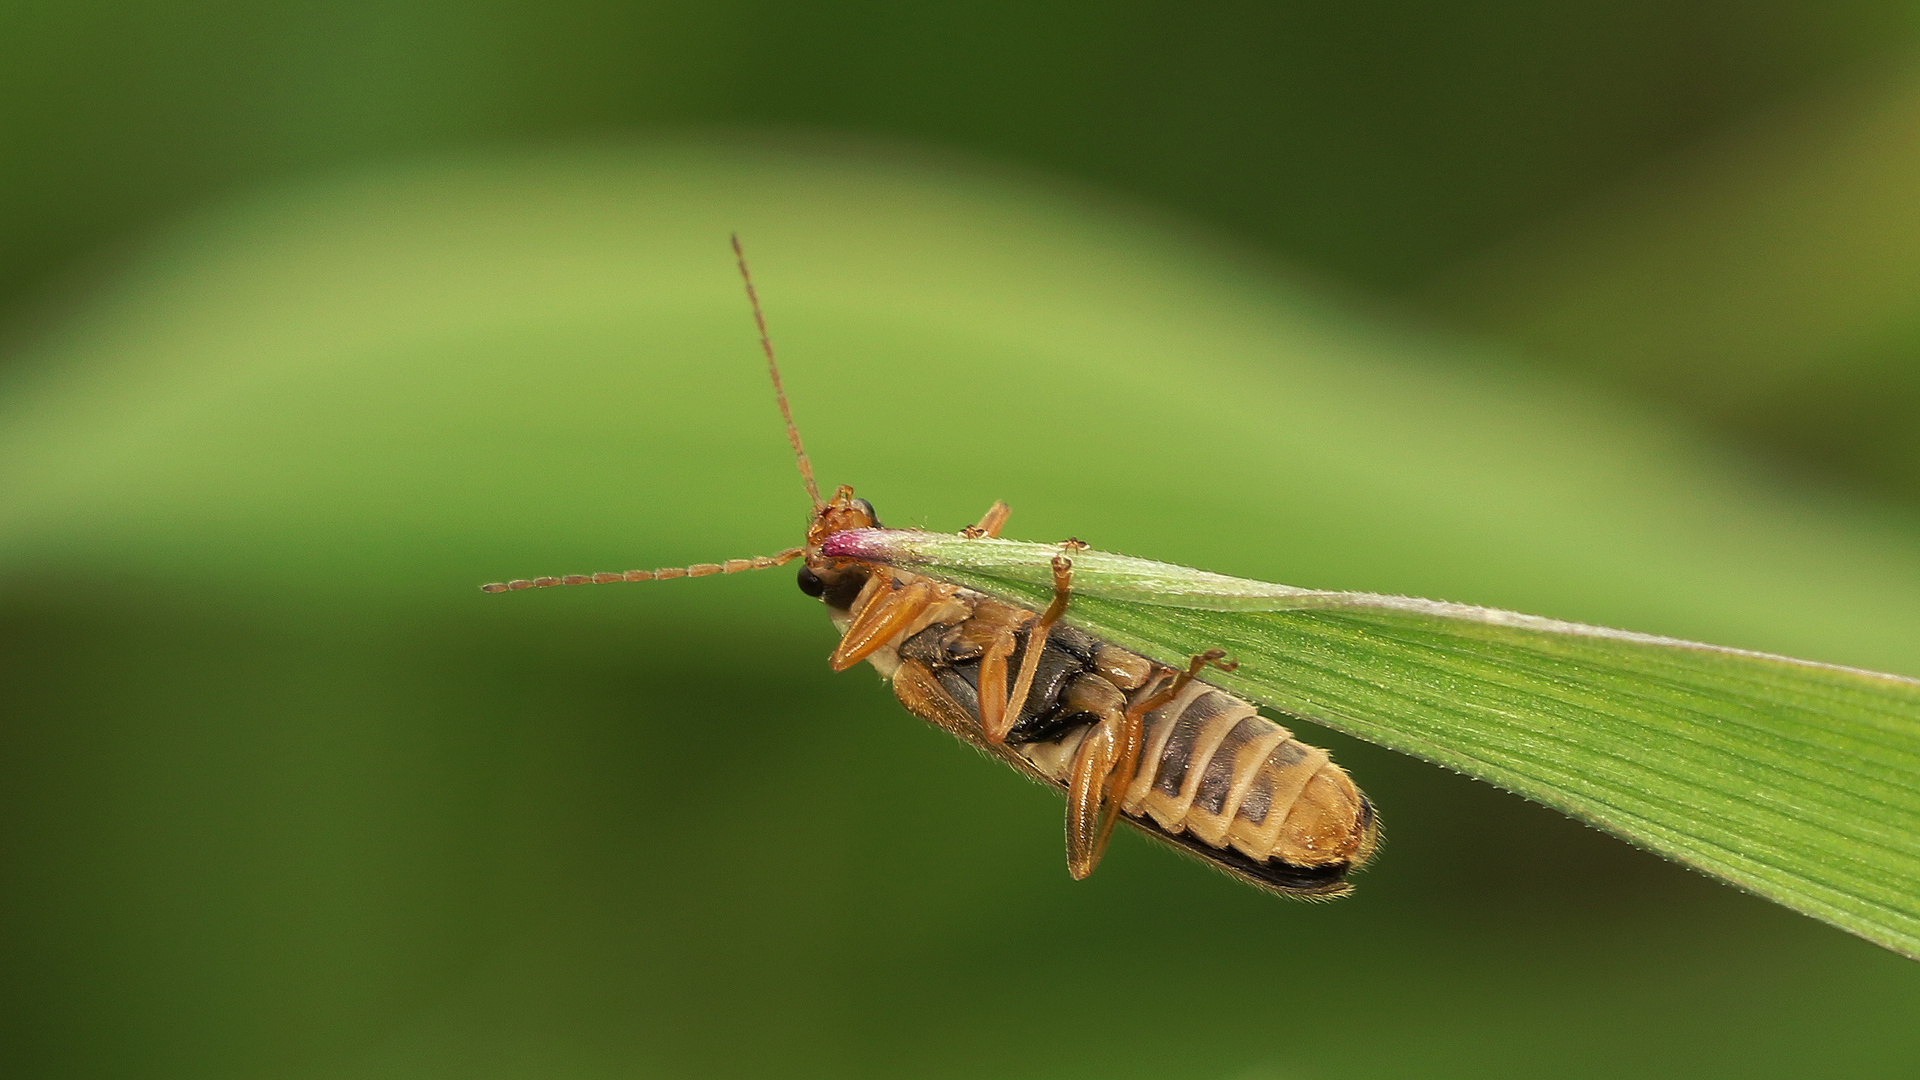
(866, 508)
(811, 584)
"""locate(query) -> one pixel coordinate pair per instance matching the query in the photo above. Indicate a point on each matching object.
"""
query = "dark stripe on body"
(1177, 757)
(1217, 782)
(1172, 773)
(1259, 799)
(1288, 753)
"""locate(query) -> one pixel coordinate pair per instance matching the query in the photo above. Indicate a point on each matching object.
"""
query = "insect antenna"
(773, 369)
(731, 566)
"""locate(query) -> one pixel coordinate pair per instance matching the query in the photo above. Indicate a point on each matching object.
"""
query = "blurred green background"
(318, 315)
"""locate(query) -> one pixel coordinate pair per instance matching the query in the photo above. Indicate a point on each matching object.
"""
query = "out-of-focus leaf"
(1764, 282)
(1795, 780)
(284, 795)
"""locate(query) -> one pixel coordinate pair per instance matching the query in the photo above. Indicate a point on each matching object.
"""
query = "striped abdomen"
(1214, 770)
(1214, 777)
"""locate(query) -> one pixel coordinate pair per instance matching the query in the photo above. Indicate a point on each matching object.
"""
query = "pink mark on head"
(867, 544)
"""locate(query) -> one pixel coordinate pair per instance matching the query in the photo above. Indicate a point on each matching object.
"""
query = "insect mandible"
(1125, 737)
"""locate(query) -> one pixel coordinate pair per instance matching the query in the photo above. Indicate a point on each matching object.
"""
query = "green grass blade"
(1797, 781)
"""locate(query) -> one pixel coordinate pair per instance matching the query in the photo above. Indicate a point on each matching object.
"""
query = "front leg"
(885, 613)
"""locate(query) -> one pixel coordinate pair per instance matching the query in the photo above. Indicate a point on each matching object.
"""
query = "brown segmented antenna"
(773, 369)
(731, 566)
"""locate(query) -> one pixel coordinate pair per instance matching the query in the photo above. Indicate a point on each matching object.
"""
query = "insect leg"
(1087, 830)
(884, 616)
(1036, 644)
(1105, 763)
(990, 523)
(1101, 771)
(1132, 733)
(1216, 657)
(995, 717)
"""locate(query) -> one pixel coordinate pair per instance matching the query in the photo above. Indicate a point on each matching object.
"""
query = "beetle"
(1124, 736)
